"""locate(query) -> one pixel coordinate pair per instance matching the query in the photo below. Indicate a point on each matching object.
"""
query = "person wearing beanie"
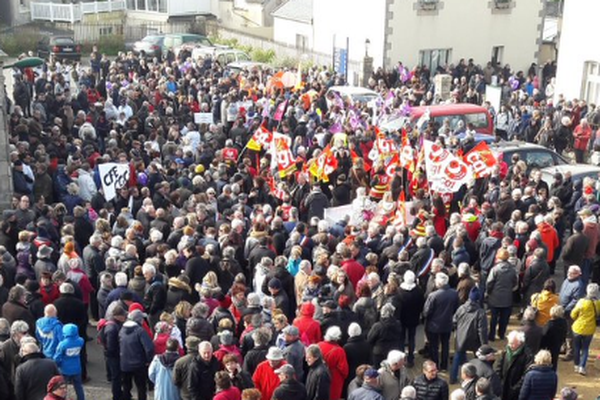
(136, 352)
(57, 388)
(470, 324)
(573, 252)
(108, 336)
(182, 366)
(358, 351)
(484, 364)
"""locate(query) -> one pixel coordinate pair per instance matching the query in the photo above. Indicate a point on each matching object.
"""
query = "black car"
(535, 156)
(62, 47)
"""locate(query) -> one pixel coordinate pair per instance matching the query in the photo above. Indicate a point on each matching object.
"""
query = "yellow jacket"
(584, 316)
(544, 301)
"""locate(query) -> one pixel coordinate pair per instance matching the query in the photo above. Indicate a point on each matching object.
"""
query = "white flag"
(113, 177)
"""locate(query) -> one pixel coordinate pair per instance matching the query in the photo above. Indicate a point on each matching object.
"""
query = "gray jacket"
(470, 323)
(500, 284)
(391, 386)
(294, 355)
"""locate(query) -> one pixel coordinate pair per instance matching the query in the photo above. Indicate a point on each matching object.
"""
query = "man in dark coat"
(429, 386)
(181, 370)
(316, 203)
(70, 309)
(15, 308)
(484, 363)
(318, 379)
(155, 298)
(513, 364)
(439, 308)
(34, 373)
(411, 296)
(135, 353)
(358, 351)
(289, 388)
(9, 349)
(201, 382)
(573, 252)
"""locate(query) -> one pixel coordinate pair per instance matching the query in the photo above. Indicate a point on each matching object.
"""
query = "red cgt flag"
(481, 159)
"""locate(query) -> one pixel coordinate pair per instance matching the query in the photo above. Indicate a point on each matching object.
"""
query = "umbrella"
(28, 62)
(288, 79)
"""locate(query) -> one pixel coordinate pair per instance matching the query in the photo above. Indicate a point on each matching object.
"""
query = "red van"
(468, 113)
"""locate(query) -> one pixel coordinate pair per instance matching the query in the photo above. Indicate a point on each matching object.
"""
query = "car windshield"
(478, 120)
(204, 42)
(151, 39)
(61, 41)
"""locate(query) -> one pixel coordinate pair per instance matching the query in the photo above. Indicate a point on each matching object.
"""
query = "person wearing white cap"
(290, 388)
(335, 358)
(265, 379)
(358, 351)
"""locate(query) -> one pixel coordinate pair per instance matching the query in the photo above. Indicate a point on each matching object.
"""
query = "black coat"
(512, 373)
(412, 305)
(290, 389)
(555, 333)
(14, 311)
(254, 357)
(533, 335)
(201, 384)
(439, 310)
(486, 370)
(436, 389)
(33, 375)
(318, 381)
(358, 352)
(71, 310)
(575, 248)
(383, 337)
(287, 284)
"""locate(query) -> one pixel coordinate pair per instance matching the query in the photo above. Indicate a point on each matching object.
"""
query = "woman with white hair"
(385, 334)
(584, 317)
(335, 358)
(541, 382)
(357, 351)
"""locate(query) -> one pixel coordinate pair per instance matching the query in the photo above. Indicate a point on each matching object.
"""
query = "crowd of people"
(212, 275)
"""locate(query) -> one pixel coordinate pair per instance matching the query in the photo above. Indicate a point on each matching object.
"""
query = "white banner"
(446, 173)
(113, 177)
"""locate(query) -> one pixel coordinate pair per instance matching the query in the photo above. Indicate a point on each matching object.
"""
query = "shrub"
(14, 45)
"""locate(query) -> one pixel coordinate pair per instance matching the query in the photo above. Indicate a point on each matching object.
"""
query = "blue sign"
(340, 61)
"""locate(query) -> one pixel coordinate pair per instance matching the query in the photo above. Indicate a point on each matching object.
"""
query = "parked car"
(535, 156)
(61, 47)
(224, 56)
(352, 94)
(157, 45)
(578, 172)
(151, 45)
(478, 116)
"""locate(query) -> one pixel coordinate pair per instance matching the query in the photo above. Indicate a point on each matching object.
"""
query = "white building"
(578, 66)
(428, 32)
(293, 22)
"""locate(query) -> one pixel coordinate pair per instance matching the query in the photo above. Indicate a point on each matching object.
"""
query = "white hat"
(274, 354)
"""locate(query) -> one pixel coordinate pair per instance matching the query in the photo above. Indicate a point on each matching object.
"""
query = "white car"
(223, 56)
(578, 172)
(353, 94)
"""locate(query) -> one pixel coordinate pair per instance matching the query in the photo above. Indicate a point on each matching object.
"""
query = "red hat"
(54, 383)
(136, 306)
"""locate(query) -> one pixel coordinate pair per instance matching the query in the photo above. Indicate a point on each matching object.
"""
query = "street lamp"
(367, 45)
(367, 63)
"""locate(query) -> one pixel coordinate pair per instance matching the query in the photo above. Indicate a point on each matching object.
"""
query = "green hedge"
(15, 45)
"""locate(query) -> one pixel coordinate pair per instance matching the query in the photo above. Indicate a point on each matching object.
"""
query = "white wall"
(580, 30)
(244, 15)
(470, 29)
(285, 31)
(189, 7)
(356, 19)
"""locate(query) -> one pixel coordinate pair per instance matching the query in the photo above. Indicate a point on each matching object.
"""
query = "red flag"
(407, 153)
(286, 162)
(481, 159)
(325, 164)
(275, 190)
(261, 138)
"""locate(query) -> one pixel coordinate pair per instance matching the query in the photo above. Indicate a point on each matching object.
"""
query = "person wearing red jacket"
(351, 267)
(310, 330)
(582, 134)
(265, 379)
(549, 238)
(335, 358)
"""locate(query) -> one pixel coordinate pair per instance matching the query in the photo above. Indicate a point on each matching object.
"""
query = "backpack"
(101, 336)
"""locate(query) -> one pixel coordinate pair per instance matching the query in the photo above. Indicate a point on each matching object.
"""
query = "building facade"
(578, 66)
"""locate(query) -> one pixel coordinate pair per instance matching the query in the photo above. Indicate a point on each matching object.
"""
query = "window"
(106, 31)
(502, 3)
(590, 88)
(435, 58)
(152, 5)
(162, 6)
(497, 55)
(301, 42)
(131, 4)
(141, 5)
(428, 4)
(539, 159)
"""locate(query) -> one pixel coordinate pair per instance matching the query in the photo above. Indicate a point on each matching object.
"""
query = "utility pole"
(6, 187)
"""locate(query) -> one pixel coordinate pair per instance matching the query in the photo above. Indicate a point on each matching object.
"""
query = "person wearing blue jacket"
(49, 331)
(67, 357)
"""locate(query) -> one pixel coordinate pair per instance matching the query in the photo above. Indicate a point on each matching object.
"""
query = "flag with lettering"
(286, 162)
(261, 138)
(113, 177)
(325, 164)
(481, 159)
(407, 153)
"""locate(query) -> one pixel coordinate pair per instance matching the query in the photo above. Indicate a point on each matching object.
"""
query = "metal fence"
(283, 50)
(55, 12)
(90, 32)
